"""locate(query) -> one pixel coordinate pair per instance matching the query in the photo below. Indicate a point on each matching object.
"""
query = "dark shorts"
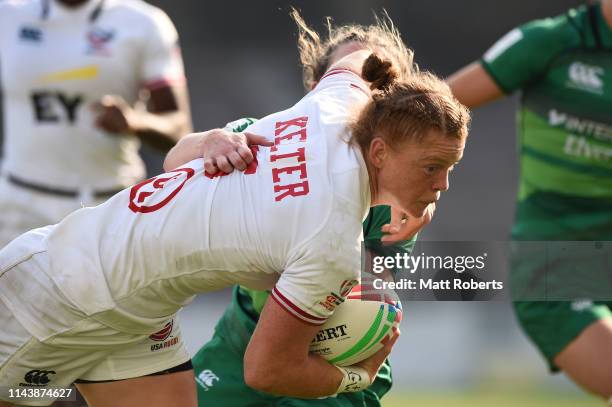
(553, 325)
(183, 367)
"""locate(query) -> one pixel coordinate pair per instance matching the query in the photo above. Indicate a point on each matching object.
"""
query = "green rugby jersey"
(252, 301)
(563, 65)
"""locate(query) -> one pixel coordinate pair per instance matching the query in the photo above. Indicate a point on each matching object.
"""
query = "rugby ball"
(357, 329)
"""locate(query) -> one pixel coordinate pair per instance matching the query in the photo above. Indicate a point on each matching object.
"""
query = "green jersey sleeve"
(377, 218)
(240, 125)
(522, 55)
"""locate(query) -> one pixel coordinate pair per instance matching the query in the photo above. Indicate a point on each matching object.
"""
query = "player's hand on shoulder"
(404, 226)
(114, 115)
(221, 149)
(225, 151)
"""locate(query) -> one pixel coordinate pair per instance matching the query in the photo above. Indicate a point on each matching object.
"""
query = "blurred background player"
(72, 72)
(563, 66)
(218, 365)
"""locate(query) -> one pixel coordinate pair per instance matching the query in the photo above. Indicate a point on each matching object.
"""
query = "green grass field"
(502, 398)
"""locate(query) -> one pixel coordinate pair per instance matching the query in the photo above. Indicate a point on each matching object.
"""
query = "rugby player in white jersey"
(91, 290)
(220, 360)
(71, 72)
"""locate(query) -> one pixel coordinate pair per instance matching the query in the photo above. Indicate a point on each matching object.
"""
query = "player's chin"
(418, 209)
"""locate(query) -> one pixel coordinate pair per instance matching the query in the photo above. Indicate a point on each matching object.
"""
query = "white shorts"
(22, 209)
(70, 346)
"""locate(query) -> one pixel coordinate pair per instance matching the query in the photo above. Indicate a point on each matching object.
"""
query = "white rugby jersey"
(292, 222)
(55, 63)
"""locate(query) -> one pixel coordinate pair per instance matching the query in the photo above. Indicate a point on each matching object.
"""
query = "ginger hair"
(382, 37)
(405, 103)
(407, 109)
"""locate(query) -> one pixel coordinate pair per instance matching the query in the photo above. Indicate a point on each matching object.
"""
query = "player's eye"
(431, 169)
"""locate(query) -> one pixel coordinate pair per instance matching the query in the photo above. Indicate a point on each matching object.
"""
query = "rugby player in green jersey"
(218, 365)
(563, 66)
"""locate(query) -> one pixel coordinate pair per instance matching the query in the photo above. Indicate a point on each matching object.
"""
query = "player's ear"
(377, 152)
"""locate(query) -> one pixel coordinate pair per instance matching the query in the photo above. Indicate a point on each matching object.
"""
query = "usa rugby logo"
(97, 41)
(347, 286)
(164, 333)
(154, 193)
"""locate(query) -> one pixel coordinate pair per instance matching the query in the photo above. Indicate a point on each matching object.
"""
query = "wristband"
(353, 379)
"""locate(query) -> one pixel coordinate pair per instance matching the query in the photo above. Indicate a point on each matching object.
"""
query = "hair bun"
(381, 73)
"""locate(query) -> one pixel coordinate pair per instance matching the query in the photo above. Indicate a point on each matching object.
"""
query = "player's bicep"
(473, 86)
(277, 360)
(279, 339)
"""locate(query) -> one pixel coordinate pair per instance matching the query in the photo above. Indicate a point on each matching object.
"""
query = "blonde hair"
(382, 36)
(406, 109)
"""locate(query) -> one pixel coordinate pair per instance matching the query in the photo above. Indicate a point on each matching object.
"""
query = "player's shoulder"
(139, 11)
(18, 4)
(15, 13)
(341, 78)
(560, 32)
(14, 8)
(336, 97)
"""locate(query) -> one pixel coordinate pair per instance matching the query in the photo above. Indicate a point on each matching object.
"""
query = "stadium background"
(241, 60)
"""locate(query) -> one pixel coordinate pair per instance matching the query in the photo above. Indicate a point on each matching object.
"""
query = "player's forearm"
(310, 378)
(277, 359)
(160, 130)
(187, 149)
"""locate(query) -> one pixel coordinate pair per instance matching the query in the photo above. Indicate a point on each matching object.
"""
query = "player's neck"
(606, 8)
(72, 3)
(373, 182)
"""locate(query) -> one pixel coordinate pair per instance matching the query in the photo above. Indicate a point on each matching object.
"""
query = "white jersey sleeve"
(162, 63)
(326, 270)
(9, 12)
(327, 266)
